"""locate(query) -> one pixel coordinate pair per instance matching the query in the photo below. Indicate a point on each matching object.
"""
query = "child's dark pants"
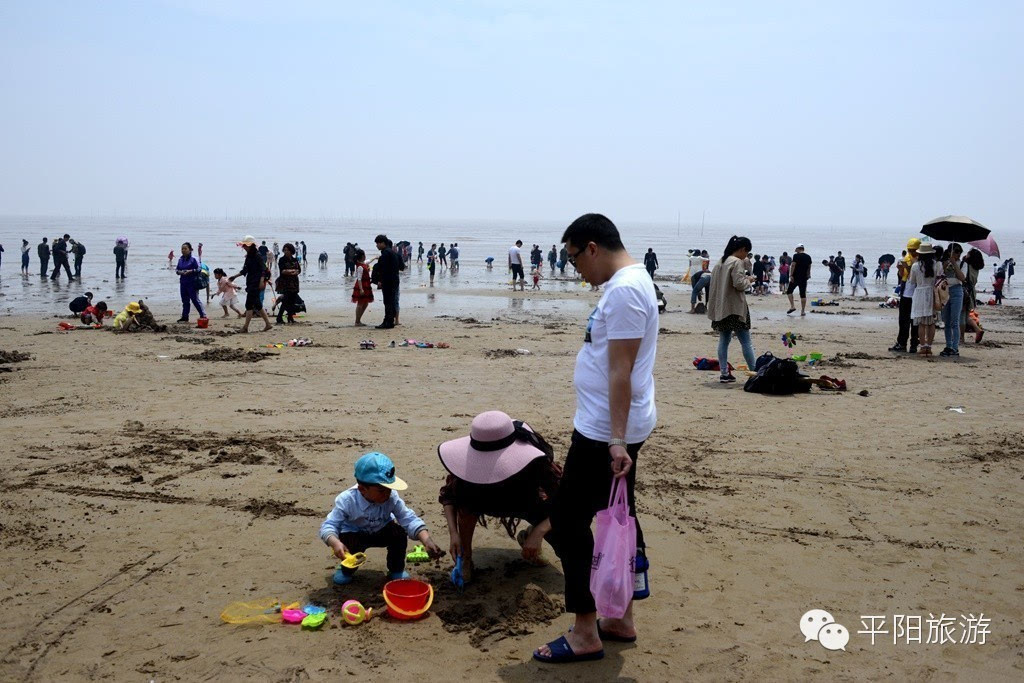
(392, 537)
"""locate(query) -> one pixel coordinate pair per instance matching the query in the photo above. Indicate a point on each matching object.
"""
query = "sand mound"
(501, 616)
(228, 355)
(502, 353)
(14, 356)
(273, 509)
(191, 340)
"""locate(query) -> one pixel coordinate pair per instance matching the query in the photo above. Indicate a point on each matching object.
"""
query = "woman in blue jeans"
(188, 271)
(955, 277)
(727, 303)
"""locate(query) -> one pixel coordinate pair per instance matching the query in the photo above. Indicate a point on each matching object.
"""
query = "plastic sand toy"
(789, 340)
(418, 554)
(408, 599)
(353, 612)
(314, 621)
(261, 611)
(353, 561)
(456, 576)
(292, 616)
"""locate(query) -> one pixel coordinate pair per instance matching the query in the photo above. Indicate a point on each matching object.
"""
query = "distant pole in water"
(678, 219)
(702, 214)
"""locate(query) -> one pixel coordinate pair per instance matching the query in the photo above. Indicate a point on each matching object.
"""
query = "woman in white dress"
(922, 308)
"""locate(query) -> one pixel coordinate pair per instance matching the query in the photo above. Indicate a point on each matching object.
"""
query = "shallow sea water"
(474, 290)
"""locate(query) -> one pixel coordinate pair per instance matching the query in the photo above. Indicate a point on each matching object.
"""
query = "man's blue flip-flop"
(561, 653)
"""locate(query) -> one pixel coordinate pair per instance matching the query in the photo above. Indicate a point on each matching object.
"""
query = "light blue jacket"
(353, 513)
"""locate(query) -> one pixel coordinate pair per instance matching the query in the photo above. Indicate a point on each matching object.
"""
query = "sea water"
(473, 290)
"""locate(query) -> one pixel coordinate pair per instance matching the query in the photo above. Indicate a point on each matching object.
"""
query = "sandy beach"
(144, 491)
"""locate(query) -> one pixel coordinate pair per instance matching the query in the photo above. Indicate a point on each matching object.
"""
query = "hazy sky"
(817, 112)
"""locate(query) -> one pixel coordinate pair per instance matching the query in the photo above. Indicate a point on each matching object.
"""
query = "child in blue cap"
(371, 514)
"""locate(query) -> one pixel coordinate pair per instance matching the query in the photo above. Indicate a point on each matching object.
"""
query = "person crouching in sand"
(371, 514)
(503, 469)
(93, 315)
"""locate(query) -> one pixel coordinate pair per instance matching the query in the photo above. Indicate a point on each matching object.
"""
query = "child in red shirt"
(997, 285)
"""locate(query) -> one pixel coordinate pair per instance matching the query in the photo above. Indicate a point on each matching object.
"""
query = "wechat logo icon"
(819, 625)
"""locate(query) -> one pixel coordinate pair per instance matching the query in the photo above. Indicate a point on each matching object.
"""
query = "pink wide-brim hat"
(490, 454)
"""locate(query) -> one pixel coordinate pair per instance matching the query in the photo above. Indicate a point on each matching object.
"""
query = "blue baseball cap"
(377, 468)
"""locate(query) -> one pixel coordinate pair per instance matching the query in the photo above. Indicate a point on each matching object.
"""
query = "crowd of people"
(941, 284)
(958, 283)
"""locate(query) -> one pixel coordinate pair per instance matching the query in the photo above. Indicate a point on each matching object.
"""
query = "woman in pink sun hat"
(503, 469)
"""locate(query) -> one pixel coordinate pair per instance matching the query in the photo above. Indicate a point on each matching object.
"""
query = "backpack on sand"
(778, 376)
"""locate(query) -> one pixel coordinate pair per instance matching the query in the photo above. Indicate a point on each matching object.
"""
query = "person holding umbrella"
(955, 278)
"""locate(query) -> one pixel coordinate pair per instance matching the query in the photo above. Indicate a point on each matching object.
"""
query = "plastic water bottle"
(641, 584)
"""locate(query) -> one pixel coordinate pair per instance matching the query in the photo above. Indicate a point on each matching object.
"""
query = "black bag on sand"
(778, 376)
(764, 358)
(700, 308)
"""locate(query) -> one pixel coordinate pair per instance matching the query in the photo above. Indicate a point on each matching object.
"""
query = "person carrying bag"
(611, 574)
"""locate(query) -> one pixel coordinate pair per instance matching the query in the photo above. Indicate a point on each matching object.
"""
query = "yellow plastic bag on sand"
(261, 611)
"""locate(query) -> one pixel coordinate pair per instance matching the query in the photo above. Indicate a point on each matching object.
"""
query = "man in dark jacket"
(60, 258)
(650, 262)
(44, 257)
(385, 274)
(78, 249)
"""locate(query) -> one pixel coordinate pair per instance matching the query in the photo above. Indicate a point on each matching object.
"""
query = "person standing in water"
(43, 251)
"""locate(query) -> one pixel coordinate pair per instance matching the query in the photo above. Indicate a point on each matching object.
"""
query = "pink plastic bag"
(611, 573)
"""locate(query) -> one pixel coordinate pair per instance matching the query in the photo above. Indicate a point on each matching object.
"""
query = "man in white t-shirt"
(515, 264)
(615, 414)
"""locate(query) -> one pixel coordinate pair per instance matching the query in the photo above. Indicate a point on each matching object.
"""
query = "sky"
(869, 114)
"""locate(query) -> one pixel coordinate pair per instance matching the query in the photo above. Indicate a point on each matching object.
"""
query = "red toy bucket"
(408, 598)
(203, 323)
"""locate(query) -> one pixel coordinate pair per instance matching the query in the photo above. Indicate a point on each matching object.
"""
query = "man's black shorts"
(794, 284)
(517, 271)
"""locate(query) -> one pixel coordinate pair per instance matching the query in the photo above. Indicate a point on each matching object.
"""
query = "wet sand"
(143, 492)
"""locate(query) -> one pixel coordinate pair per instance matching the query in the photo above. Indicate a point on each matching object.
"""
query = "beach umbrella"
(986, 246)
(887, 258)
(955, 229)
